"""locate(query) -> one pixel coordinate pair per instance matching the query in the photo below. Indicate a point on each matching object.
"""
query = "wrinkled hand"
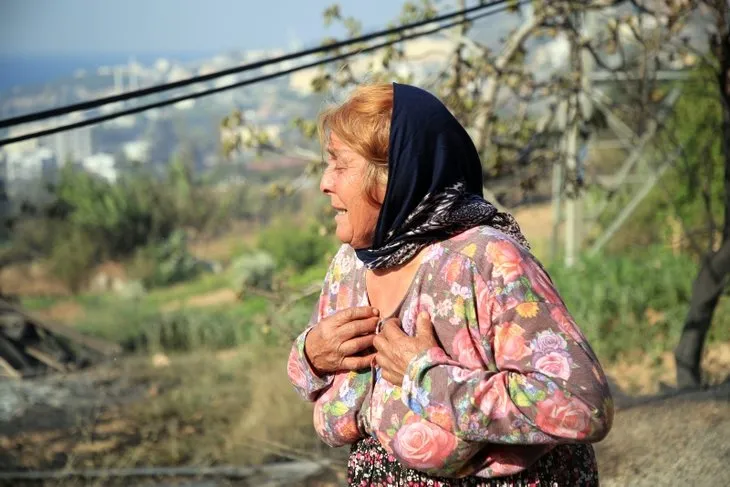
(341, 341)
(395, 349)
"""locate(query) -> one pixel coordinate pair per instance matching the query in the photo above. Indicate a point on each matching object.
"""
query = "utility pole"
(572, 188)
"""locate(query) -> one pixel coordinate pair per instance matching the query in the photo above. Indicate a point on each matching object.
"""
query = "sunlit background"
(155, 266)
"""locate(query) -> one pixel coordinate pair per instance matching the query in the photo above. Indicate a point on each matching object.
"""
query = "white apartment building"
(35, 165)
(101, 164)
(73, 145)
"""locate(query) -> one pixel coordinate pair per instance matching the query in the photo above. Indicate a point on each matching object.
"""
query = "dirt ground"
(674, 439)
(30, 280)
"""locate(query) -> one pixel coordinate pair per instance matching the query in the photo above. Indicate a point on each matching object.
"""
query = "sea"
(37, 69)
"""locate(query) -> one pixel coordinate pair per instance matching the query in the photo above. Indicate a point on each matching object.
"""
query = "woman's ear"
(380, 189)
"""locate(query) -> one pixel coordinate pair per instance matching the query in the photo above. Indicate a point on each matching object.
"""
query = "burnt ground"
(52, 422)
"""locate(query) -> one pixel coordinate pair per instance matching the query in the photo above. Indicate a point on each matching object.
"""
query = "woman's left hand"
(395, 349)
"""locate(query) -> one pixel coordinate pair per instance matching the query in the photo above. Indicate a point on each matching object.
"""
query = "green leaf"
(521, 399)
(338, 408)
(538, 396)
(427, 384)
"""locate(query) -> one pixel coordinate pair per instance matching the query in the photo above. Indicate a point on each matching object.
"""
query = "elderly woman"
(439, 348)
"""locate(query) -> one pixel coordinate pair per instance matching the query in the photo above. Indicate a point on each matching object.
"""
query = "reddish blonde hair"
(362, 122)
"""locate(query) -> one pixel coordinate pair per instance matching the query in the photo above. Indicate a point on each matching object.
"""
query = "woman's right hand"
(339, 342)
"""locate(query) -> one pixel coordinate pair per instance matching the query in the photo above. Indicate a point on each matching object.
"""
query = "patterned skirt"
(572, 465)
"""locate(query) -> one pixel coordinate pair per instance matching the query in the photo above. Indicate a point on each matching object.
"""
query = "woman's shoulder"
(485, 247)
(344, 264)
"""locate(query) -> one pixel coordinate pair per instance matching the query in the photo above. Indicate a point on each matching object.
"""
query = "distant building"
(137, 151)
(178, 73)
(73, 145)
(34, 165)
(101, 164)
(3, 173)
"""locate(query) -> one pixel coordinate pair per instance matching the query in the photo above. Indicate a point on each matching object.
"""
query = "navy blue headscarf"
(434, 185)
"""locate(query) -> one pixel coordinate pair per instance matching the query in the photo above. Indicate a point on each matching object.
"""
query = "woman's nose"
(325, 182)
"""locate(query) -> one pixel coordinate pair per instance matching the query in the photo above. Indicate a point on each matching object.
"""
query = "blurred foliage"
(295, 246)
(254, 270)
(168, 262)
(685, 209)
(634, 301)
(90, 220)
(145, 328)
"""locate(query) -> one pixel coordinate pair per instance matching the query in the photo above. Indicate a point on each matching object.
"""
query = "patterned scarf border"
(438, 217)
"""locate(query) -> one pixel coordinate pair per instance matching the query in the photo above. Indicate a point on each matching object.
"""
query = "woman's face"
(344, 182)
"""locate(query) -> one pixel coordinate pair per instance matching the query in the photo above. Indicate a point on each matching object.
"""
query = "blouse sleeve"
(543, 384)
(306, 382)
(301, 374)
(338, 398)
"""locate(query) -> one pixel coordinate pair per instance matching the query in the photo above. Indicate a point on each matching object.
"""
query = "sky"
(72, 27)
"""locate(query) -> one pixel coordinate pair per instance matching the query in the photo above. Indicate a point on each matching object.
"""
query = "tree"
(671, 36)
(714, 271)
(526, 121)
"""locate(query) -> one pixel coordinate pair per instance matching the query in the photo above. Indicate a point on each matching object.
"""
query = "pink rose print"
(554, 364)
(453, 268)
(541, 284)
(465, 351)
(295, 372)
(506, 260)
(462, 375)
(324, 304)
(566, 324)
(440, 415)
(509, 343)
(486, 306)
(560, 416)
(337, 383)
(346, 429)
(422, 445)
(491, 396)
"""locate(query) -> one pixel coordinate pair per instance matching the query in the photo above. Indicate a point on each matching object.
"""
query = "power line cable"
(258, 79)
(86, 105)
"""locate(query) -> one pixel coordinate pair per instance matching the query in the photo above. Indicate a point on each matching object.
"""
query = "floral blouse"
(515, 376)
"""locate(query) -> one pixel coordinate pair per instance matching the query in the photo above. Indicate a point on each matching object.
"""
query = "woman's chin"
(343, 235)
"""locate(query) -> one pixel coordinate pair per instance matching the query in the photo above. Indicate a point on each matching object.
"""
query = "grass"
(38, 303)
(203, 408)
(623, 303)
(314, 274)
(214, 378)
(142, 326)
(635, 303)
(216, 406)
(180, 292)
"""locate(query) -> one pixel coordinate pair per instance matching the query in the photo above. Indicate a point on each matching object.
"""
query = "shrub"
(636, 302)
(255, 270)
(72, 258)
(295, 246)
(166, 263)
